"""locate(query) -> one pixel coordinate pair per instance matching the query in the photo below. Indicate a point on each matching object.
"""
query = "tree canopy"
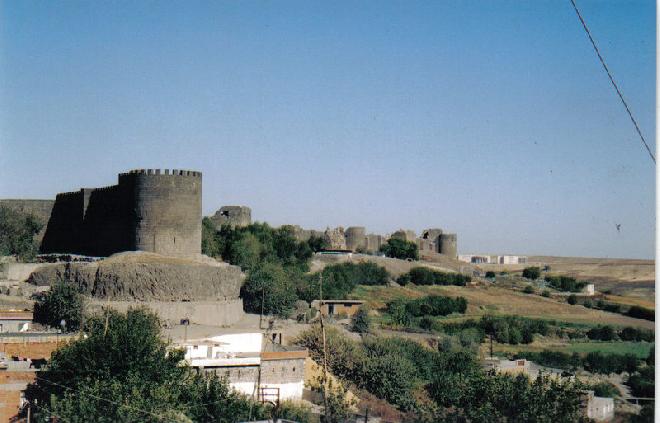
(124, 371)
(17, 231)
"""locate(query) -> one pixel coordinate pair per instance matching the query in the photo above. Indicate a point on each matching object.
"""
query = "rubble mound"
(140, 276)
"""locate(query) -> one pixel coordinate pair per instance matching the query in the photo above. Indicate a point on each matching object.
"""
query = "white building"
(254, 365)
(599, 408)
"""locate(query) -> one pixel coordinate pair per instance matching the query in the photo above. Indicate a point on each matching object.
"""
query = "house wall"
(349, 310)
(12, 383)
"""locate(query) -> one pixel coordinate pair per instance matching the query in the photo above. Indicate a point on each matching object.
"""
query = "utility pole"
(325, 352)
(261, 316)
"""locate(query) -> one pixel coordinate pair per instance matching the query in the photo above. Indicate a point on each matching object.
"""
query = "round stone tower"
(167, 210)
(356, 237)
(448, 245)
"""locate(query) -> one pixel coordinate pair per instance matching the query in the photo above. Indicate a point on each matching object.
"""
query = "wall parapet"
(162, 172)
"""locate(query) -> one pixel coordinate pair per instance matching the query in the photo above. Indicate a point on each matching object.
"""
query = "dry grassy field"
(492, 300)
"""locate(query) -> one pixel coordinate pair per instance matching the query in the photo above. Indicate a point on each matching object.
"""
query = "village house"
(253, 364)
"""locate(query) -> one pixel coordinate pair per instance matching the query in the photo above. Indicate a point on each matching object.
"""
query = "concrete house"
(15, 321)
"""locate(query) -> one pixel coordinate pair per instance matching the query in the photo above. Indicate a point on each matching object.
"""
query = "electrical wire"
(609, 74)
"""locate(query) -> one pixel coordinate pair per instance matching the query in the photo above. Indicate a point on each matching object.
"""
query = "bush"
(642, 384)
(605, 389)
(529, 289)
(588, 304)
(490, 274)
(362, 320)
(512, 329)
(401, 249)
(572, 299)
(61, 302)
(565, 283)
(426, 276)
(602, 333)
(641, 313)
(532, 273)
(340, 279)
(636, 335)
(545, 293)
(403, 311)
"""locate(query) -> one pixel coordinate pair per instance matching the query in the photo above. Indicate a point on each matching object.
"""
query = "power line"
(609, 74)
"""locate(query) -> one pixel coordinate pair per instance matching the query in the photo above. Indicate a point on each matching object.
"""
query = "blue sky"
(492, 119)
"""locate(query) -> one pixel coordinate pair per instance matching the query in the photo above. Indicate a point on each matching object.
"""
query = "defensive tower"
(148, 210)
(449, 245)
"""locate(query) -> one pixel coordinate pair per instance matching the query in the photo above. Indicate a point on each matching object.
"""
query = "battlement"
(162, 172)
(67, 194)
(105, 189)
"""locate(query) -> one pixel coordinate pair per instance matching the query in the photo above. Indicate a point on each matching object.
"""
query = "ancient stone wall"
(148, 210)
(168, 211)
(449, 245)
(234, 216)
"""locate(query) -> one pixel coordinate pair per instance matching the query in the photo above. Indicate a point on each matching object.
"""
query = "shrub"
(642, 384)
(602, 333)
(565, 283)
(362, 320)
(641, 313)
(587, 303)
(572, 299)
(532, 273)
(529, 289)
(426, 276)
(545, 293)
(490, 274)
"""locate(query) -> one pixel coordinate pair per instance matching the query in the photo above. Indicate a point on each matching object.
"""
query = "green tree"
(269, 285)
(124, 371)
(317, 243)
(401, 249)
(532, 273)
(61, 302)
(17, 234)
(210, 242)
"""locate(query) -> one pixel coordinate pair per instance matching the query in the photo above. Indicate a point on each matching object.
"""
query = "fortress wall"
(214, 313)
(107, 221)
(168, 211)
(64, 229)
(356, 237)
(449, 245)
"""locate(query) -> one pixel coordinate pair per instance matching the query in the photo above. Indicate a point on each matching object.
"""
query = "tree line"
(408, 375)
(425, 276)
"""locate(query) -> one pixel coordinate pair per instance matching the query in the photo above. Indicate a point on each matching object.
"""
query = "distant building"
(512, 259)
(589, 289)
(519, 366)
(490, 259)
(599, 409)
(253, 365)
(330, 308)
(15, 321)
(474, 259)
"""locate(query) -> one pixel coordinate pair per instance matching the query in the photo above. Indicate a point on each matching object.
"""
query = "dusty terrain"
(147, 277)
(493, 300)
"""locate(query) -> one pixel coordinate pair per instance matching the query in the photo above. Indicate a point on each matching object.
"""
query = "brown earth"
(493, 300)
